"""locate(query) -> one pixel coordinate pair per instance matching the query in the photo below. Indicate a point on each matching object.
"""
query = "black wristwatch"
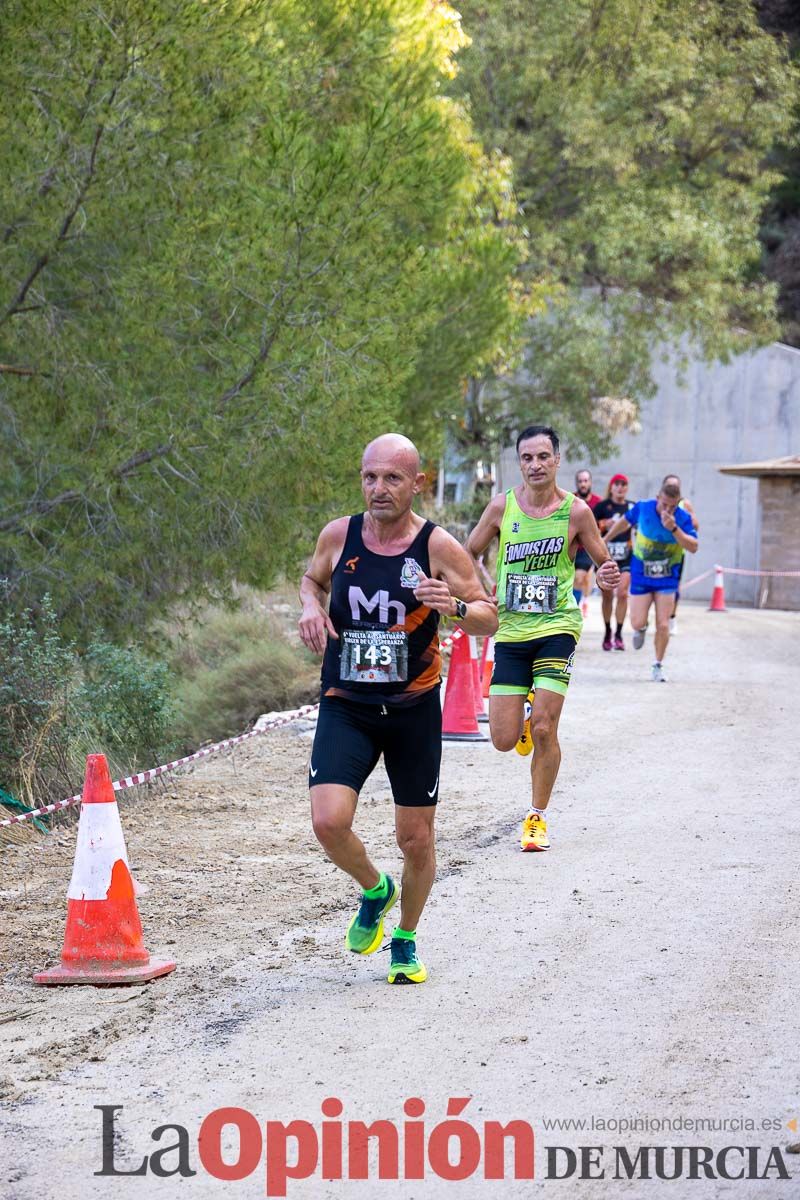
(461, 609)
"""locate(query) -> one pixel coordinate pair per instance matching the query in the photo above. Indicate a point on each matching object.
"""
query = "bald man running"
(389, 575)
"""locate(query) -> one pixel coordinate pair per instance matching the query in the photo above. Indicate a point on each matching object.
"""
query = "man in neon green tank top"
(539, 526)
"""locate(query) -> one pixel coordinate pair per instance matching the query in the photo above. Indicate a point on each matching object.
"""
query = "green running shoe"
(406, 967)
(365, 931)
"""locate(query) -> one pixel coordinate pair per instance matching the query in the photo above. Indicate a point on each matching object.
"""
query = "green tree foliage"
(639, 131)
(231, 237)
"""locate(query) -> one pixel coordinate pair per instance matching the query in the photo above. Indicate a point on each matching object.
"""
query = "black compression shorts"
(351, 737)
(582, 561)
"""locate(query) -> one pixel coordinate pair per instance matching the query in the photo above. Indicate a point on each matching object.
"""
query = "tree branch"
(41, 508)
(9, 369)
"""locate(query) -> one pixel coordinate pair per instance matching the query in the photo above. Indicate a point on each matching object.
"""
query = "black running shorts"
(351, 737)
(582, 560)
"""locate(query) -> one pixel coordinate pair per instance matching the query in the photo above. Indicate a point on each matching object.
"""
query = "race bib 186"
(374, 656)
(619, 550)
(531, 593)
(657, 568)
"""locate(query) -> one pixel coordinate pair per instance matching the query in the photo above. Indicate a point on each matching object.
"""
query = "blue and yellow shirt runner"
(655, 566)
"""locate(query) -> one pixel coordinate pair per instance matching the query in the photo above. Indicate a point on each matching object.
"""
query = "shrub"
(38, 686)
(127, 702)
(56, 706)
(232, 668)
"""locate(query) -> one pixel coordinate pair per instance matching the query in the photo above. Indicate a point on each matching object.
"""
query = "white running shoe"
(638, 638)
(657, 673)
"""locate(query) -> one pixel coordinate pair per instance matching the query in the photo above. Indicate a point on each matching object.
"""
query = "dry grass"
(233, 665)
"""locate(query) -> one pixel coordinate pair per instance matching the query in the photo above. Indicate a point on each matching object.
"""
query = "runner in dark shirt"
(372, 597)
(616, 504)
(582, 587)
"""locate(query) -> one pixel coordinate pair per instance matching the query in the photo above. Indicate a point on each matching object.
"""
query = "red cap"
(618, 479)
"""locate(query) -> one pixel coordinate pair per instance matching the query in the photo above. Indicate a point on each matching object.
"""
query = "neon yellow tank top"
(535, 574)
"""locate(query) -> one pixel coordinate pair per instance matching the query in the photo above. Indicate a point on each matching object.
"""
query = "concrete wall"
(715, 415)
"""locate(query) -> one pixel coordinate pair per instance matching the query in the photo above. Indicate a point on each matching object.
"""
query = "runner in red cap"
(616, 504)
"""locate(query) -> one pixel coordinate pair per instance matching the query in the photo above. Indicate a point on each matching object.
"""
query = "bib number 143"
(374, 656)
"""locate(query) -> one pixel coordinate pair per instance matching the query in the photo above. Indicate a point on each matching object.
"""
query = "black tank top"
(388, 646)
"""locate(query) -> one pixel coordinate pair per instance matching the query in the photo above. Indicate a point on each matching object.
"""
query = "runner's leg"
(640, 608)
(506, 718)
(333, 808)
(546, 714)
(664, 605)
(415, 837)
(607, 602)
(622, 597)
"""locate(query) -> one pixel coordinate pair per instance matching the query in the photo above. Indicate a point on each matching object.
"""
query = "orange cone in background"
(103, 939)
(459, 723)
(480, 708)
(718, 595)
(487, 666)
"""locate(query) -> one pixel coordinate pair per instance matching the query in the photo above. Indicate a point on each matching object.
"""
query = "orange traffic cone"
(480, 710)
(487, 666)
(459, 723)
(718, 595)
(103, 940)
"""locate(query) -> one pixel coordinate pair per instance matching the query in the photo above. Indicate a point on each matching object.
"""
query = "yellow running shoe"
(525, 744)
(534, 833)
(405, 966)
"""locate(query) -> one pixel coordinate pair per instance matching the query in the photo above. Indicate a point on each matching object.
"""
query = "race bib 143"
(374, 656)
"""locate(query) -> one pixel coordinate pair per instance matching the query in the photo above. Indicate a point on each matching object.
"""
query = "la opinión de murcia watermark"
(452, 1149)
(232, 1144)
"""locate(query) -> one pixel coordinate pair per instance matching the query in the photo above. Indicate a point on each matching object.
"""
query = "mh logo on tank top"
(362, 607)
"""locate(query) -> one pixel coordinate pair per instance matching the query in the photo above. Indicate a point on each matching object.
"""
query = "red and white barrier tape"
(697, 578)
(742, 571)
(736, 571)
(119, 785)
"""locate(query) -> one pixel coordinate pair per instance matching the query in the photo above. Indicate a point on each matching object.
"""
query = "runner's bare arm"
(315, 625)
(684, 540)
(453, 575)
(584, 526)
(488, 527)
(620, 525)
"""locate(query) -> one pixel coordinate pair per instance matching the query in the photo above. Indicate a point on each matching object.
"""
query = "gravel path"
(647, 968)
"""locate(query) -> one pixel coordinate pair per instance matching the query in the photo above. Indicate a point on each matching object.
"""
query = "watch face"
(461, 609)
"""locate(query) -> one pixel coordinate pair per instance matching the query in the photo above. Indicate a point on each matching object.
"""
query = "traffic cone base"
(465, 737)
(100, 972)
